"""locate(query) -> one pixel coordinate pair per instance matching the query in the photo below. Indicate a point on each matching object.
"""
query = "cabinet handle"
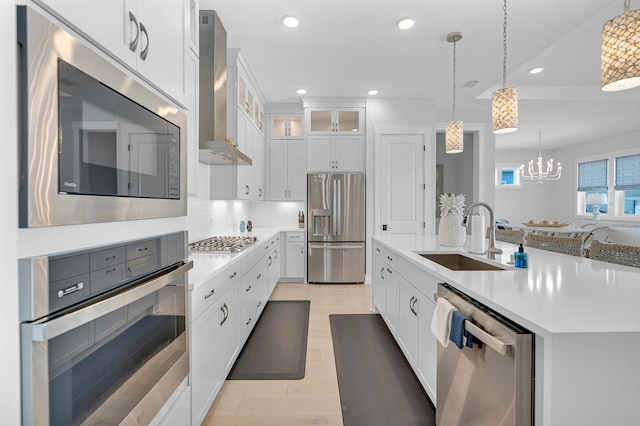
(410, 303)
(301, 249)
(381, 273)
(133, 45)
(211, 293)
(389, 271)
(106, 259)
(378, 249)
(143, 54)
(259, 192)
(270, 261)
(246, 108)
(259, 276)
(247, 190)
(276, 254)
(225, 311)
(232, 276)
(108, 271)
(248, 288)
(72, 289)
(259, 303)
(248, 322)
(390, 259)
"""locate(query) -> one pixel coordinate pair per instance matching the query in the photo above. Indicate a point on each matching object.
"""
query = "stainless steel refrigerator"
(335, 229)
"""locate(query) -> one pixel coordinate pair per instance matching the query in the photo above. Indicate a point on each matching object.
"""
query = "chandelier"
(454, 135)
(541, 174)
(621, 51)
(504, 102)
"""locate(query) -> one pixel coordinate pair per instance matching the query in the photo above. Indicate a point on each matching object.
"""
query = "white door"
(402, 182)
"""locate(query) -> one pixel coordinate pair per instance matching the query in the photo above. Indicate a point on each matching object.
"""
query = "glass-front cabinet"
(335, 120)
(285, 126)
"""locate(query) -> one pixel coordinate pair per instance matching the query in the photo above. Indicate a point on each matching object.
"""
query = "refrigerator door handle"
(338, 247)
(336, 225)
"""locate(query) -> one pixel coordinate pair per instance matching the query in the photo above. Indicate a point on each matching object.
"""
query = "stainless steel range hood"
(214, 148)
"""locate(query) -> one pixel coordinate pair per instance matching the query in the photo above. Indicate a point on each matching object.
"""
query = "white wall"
(553, 200)
(10, 353)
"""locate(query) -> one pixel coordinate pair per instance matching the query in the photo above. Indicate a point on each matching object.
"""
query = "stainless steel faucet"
(492, 250)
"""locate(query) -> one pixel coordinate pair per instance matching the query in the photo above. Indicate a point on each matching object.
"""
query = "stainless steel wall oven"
(95, 145)
(104, 338)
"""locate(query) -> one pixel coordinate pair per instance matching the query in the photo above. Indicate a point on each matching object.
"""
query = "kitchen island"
(585, 315)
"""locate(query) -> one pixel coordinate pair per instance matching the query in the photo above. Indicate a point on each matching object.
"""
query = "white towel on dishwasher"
(441, 321)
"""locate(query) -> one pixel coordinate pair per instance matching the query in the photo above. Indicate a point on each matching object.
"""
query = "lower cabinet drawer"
(106, 278)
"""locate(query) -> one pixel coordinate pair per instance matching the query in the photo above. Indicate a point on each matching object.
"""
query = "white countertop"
(556, 294)
(205, 266)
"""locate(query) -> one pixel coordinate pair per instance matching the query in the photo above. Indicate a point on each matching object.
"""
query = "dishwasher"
(492, 383)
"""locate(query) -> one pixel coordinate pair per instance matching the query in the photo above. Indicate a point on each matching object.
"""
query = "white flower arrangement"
(451, 203)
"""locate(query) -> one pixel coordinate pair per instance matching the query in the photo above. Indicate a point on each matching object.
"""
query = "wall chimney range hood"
(214, 148)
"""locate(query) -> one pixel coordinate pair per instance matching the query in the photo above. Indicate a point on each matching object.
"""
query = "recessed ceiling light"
(406, 23)
(536, 70)
(290, 21)
(301, 91)
(373, 92)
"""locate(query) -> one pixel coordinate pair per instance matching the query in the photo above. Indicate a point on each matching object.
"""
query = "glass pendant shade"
(454, 137)
(504, 104)
(621, 52)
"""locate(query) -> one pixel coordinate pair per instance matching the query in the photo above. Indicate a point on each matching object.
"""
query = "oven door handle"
(47, 330)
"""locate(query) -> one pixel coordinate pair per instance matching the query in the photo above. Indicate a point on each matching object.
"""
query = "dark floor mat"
(377, 385)
(277, 346)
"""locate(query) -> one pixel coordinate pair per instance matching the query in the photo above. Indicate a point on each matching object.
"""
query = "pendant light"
(504, 102)
(621, 51)
(454, 136)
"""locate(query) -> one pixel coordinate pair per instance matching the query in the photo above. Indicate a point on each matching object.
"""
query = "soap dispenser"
(521, 259)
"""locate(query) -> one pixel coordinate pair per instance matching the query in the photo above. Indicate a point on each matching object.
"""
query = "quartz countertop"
(206, 265)
(556, 294)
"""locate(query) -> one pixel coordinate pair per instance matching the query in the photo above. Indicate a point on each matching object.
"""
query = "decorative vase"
(451, 233)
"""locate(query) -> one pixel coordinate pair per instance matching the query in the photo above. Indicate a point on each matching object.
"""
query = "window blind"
(592, 176)
(628, 172)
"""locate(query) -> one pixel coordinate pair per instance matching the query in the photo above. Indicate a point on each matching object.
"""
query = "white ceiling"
(342, 48)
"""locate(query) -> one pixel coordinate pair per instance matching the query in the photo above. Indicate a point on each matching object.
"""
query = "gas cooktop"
(222, 245)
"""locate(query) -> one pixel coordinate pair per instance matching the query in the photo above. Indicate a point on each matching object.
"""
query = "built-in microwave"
(95, 144)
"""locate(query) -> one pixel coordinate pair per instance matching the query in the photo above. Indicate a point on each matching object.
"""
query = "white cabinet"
(205, 377)
(271, 264)
(408, 311)
(334, 120)
(295, 256)
(379, 283)
(147, 36)
(192, 68)
(427, 346)
(335, 153)
(286, 126)
(287, 170)
(246, 117)
(228, 309)
(210, 341)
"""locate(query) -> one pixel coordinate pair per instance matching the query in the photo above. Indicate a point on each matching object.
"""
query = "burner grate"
(222, 244)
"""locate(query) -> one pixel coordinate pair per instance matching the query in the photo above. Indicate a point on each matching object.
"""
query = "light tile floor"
(313, 400)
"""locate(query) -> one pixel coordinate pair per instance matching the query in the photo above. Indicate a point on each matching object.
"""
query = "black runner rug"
(277, 346)
(377, 385)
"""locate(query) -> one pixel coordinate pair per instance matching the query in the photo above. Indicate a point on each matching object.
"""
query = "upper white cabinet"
(335, 120)
(246, 117)
(147, 36)
(286, 126)
(335, 153)
(287, 170)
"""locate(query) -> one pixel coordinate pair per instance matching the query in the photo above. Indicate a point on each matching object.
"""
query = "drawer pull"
(248, 322)
(108, 271)
(106, 259)
(233, 275)
(142, 249)
(72, 289)
(248, 288)
(259, 276)
(211, 293)
(259, 303)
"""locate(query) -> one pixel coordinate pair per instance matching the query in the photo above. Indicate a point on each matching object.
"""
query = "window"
(612, 184)
(627, 184)
(508, 176)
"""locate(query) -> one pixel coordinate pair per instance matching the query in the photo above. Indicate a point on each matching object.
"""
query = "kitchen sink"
(459, 262)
